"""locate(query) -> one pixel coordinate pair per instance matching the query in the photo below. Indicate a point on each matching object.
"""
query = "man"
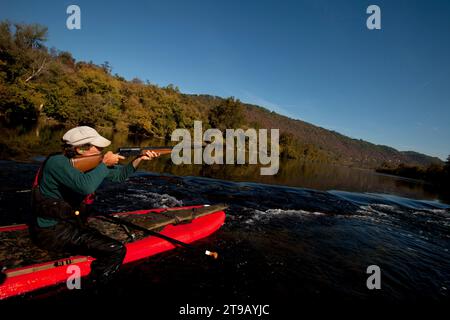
(61, 197)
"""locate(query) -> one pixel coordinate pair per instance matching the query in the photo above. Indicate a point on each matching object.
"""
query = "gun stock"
(86, 163)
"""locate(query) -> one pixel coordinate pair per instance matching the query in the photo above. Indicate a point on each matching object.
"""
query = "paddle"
(123, 222)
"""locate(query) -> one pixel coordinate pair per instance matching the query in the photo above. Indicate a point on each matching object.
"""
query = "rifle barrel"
(135, 151)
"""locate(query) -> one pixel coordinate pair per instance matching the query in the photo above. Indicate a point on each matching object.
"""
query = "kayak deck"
(29, 267)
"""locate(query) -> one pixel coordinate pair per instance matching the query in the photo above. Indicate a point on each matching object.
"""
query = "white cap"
(83, 135)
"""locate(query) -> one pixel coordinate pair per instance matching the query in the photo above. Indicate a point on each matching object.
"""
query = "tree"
(66, 59)
(227, 115)
(23, 57)
(106, 66)
(137, 81)
(22, 49)
(447, 167)
(18, 102)
(30, 36)
(288, 146)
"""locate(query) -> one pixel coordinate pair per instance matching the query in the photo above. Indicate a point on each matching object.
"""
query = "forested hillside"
(36, 81)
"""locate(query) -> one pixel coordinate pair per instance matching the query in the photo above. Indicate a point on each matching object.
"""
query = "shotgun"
(86, 163)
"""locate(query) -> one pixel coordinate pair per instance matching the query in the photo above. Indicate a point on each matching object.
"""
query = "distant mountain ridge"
(340, 148)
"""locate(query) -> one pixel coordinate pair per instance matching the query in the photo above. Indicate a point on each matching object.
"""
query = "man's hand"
(147, 155)
(111, 159)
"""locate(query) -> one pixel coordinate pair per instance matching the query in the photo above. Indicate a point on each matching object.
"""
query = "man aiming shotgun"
(62, 193)
(86, 162)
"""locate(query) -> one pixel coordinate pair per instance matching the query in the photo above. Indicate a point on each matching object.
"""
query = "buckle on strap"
(168, 214)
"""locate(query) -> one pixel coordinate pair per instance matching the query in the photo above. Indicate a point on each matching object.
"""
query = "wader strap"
(40, 172)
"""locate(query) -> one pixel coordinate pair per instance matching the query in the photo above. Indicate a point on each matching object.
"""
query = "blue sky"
(311, 60)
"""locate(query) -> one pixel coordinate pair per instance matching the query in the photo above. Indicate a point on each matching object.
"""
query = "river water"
(307, 235)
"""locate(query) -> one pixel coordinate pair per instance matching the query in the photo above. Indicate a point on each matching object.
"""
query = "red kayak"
(29, 268)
